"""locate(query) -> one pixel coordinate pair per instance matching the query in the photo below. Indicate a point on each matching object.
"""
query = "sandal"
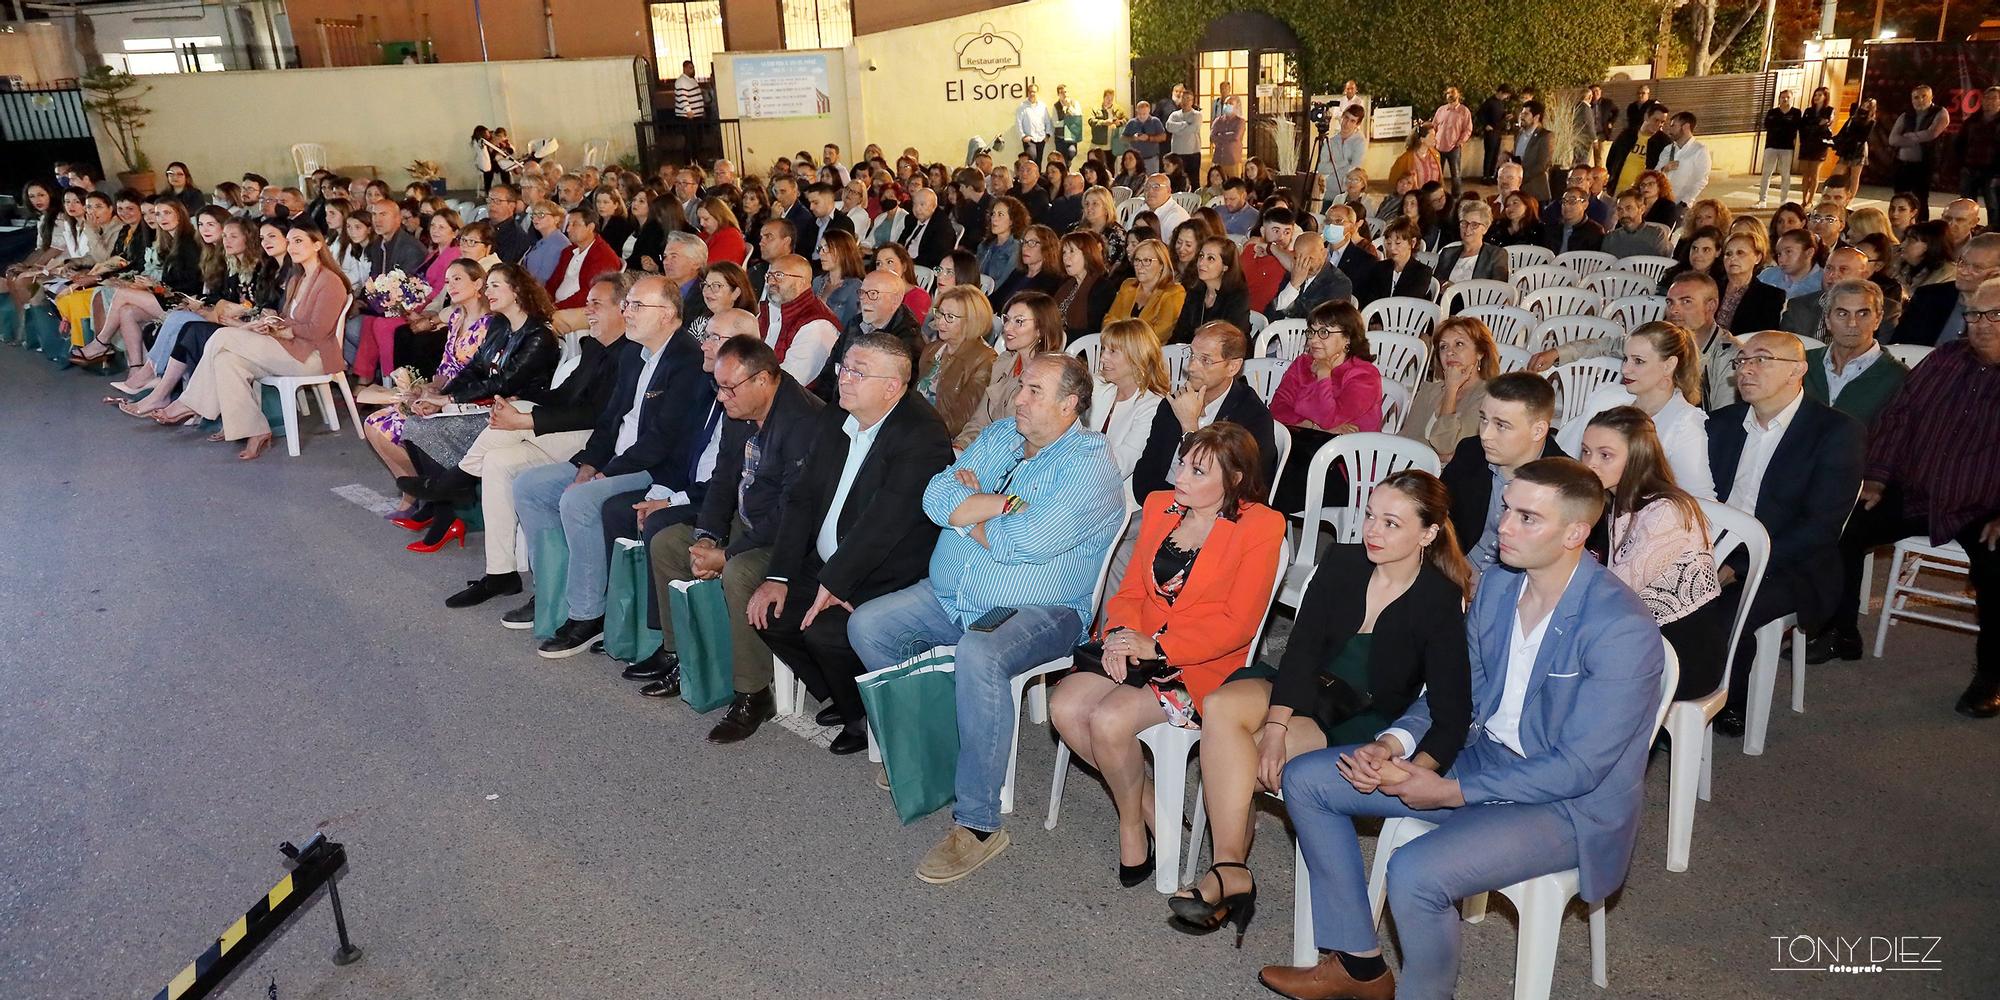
(1196, 915)
(180, 421)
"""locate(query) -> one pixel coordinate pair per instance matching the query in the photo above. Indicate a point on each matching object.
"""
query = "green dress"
(1351, 665)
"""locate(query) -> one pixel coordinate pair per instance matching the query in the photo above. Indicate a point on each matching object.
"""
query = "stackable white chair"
(1914, 556)
(1368, 458)
(1618, 284)
(1764, 678)
(1284, 339)
(1401, 357)
(1257, 324)
(1176, 357)
(1691, 723)
(288, 387)
(1536, 277)
(596, 152)
(1402, 314)
(1546, 302)
(1911, 355)
(1395, 407)
(1281, 442)
(1586, 262)
(1086, 347)
(926, 277)
(1121, 194)
(1650, 266)
(1559, 330)
(1511, 325)
(1513, 359)
(1528, 255)
(1263, 375)
(1188, 200)
(1477, 292)
(1635, 311)
(1574, 382)
(1129, 209)
(306, 158)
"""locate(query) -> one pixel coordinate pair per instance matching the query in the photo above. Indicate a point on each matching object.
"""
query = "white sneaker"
(1762, 204)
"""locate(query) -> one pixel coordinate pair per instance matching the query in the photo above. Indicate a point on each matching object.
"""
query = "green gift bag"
(626, 635)
(701, 639)
(551, 561)
(913, 711)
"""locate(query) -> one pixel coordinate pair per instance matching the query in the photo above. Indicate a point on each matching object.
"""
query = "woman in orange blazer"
(1194, 596)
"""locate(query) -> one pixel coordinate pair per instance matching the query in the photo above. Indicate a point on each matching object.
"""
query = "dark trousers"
(621, 521)
(1982, 184)
(1448, 162)
(1490, 155)
(821, 655)
(1191, 166)
(692, 131)
(1068, 151)
(1916, 179)
(1035, 150)
(487, 177)
(1888, 522)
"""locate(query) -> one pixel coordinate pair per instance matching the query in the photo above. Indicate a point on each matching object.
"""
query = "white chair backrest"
(1574, 382)
(1368, 458)
(1650, 266)
(1528, 255)
(1239, 239)
(595, 152)
(1513, 359)
(1129, 209)
(1401, 314)
(1258, 323)
(1586, 262)
(308, 157)
(1670, 678)
(1104, 568)
(1281, 439)
(1730, 529)
(1176, 357)
(1553, 301)
(1395, 406)
(1086, 347)
(1539, 276)
(1188, 200)
(1121, 194)
(1617, 284)
(1477, 292)
(926, 277)
(1401, 357)
(1510, 325)
(1428, 258)
(1264, 374)
(1810, 343)
(1635, 311)
(1285, 339)
(1911, 355)
(1559, 330)
(986, 284)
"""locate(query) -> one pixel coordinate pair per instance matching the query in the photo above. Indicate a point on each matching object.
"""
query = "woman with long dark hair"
(1217, 290)
(176, 257)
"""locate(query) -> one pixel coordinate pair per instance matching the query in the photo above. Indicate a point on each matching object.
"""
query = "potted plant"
(114, 99)
(428, 172)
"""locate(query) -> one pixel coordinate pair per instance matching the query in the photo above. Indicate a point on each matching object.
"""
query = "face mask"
(1229, 109)
(1334, 232)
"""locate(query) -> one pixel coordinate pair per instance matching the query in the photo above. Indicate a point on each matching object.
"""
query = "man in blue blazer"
(1566, 688)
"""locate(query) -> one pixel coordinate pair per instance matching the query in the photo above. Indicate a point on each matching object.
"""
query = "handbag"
(701, 637)
(1089, 658)
(913, 713)
(627, 634)
(1335, 701)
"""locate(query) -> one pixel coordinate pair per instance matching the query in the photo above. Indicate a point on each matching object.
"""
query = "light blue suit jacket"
(1587, 720)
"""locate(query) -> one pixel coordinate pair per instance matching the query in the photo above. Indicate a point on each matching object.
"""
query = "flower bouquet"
(396, 293)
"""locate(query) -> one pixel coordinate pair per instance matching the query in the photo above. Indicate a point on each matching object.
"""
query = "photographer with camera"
(1338, 152)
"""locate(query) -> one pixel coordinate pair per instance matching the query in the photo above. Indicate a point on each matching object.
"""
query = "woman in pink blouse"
(303, 338)
(1333, 388)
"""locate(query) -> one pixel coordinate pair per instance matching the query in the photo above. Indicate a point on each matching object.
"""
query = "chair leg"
(1541, 911)
(1013, 757)
(1305, 951)
(1763, 683)
(1472, 909)
(1038, 701)
(1799, 671)
(1378, 872)
(353, 412)
(1888, 601)
(1169, 799)
(1707, 758)
(288, 404)
(1194, 835)
(783, 688)
(324, 395)
(1684, 774)
(1056, 787)
(874, 749)
(1600, 955)
(1868, 580)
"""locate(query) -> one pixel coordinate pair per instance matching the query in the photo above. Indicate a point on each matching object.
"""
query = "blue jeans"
(547, 498)
(1474, 849)
(162, 350)
(895, 627)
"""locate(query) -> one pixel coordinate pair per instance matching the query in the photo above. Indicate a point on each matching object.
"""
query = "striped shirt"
(1939, 440)
(1049, 552)
(688, 99)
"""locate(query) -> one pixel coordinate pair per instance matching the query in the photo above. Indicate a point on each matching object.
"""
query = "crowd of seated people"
(843, 391)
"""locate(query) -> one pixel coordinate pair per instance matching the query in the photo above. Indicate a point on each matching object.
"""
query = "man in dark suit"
(928, 236)
(823, 202)
(1312, 280)
(1533, 150)
(1492, 121)
(1067, 209)
(1353, 256)
(1936, 313)
(1514, 429)
(773, 421)
(854, 528)
(970, 214)
(1794, 465)
(787, 204)
(510, 241)
(881, 311)
(1214, 391)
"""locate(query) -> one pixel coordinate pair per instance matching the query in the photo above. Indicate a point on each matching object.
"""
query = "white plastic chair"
(1528, 255)
(1510, 325)
(1574, 382)
(1263, 374)
(1652, 267)
(1618, 284)
(1513, 359)
(1368, 459)
(1188, 200)
(1691, 723)
(1536, 277)
(1086, 347)
(1402, 314)
(1911, 355)
(1129, 210)
(1565, 329)
(306, 158)
(1400, 357)
(926, 277)
(1284, 340)
(1395, 407)
(1176, 356)
(1477, 292)
(986, 284)
(1171, 745)
(595, 152)
(288, 387)
(1635, 311)
(1546, 302)
(1913, 556)
(1281, 442)
(1121, 194)
(1586, 262)
(1539, 902)
(1428, 258)
(1038, 697)
(1257, 324)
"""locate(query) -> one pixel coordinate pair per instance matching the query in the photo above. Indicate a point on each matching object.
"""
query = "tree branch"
(1756, 9)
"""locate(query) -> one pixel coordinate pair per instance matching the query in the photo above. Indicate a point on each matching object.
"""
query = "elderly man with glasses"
(1936, 313)
(800, 327)
(503, 207)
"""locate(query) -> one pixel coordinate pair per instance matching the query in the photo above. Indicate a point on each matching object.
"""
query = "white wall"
(222, 124)
(764, 140)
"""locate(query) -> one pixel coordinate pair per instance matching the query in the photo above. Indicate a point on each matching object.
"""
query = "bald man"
(797, 323)
(882, 311)
(927, 235)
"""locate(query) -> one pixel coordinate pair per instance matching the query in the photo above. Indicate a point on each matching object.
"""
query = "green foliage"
(115, 101)
(1408, 52)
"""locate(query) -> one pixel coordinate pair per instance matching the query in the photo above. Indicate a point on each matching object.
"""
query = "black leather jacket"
(508, 363)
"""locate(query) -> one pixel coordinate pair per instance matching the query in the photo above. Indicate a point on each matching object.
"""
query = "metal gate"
(39, 125)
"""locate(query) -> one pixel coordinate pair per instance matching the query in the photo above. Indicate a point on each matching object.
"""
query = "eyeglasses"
(1759, 361)
(794, 275)
(1982, 315)
(1204, 361)
(1818, 217)
(634, 304)
(722, 390)
(1321, 332)
(842, 371)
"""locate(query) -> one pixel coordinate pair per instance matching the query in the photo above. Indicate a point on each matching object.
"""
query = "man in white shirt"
(1159, 197)
(1565, 684)
(1685, 161)
(1031, 119)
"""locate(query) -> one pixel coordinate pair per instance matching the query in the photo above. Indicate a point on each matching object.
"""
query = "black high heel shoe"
(1139, 874)
(1196, 915)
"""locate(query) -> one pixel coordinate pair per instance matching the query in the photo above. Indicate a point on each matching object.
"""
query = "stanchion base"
(347, 956)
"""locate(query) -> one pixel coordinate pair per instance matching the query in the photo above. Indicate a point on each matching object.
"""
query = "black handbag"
(1335, 701)
(1089, 658)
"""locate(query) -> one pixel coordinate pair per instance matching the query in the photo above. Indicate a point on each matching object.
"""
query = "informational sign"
(783, 86)
(1393, 123)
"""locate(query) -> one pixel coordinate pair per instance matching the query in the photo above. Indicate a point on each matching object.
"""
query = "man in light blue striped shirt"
(1030, 509)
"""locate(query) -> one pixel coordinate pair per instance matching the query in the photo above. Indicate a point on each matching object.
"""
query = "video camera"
(1321, 114)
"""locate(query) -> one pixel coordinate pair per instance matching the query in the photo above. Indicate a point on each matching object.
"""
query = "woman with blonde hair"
(1662, 378)
(1446, 408)
(1153, 294)
(1132, 380)
(1863, 222)
(953, 372)
(1100, 216)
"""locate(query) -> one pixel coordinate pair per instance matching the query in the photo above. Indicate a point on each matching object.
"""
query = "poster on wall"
(783, 86)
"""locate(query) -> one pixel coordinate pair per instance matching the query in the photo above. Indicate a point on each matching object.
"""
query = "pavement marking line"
(362, 496)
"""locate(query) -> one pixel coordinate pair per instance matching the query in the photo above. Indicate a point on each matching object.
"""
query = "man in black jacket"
(1936, 313)
(1214, 391)
(771, 428)
(642, 438)
(928, 236)
(1572, 229)
(1352, 255)
(1801, 486)
(823, 201)
(854, 528)
(1491, 117)
(510, 241)
(881, 311)
(1514, 423)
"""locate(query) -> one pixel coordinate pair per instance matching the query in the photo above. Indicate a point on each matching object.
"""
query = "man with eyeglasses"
(1792, 463)
(510, 241)
(881, 311)
(550, 241)
(1573, 229)
(1852, 373)
(1936, 313)
(586, 257)
(769, 431)
(1805, 315)
(1827, 223)
(795, 321)
(642, 438)
(1930, 474)
(855, 528)
(1158, 194)
(1214, 390)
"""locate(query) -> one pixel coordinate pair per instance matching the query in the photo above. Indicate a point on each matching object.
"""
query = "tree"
(115, 101)
(1705, 52)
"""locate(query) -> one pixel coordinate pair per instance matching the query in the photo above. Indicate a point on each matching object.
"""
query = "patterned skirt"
(444, 439)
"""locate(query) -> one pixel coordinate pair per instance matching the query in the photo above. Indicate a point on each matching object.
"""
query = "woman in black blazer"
(1744, 304)
(1218, 291)
(1378, 623)
(1398, 272)
(1489, 260)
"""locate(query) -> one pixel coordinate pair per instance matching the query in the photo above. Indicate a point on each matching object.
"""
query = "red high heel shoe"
(457, 530)
(410, 523)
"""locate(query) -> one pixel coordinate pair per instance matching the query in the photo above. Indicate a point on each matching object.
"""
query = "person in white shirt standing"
(1032, 120)
(690, 109)
(1685, 161)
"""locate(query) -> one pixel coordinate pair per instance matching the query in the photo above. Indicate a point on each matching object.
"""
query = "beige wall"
(514, 28)
(222, 124)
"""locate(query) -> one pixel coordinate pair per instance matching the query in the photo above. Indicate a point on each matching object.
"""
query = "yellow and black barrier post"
(313, 865)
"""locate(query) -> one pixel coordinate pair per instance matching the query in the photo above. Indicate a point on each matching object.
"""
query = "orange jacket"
(1214, 621)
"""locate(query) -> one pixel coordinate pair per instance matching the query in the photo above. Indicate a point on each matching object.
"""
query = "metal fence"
(43, 113)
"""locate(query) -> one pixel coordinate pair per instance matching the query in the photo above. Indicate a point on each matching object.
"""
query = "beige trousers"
(496, 458)
(225, 382)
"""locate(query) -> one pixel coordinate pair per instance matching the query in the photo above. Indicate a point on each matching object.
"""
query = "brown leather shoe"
(1326, 981)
